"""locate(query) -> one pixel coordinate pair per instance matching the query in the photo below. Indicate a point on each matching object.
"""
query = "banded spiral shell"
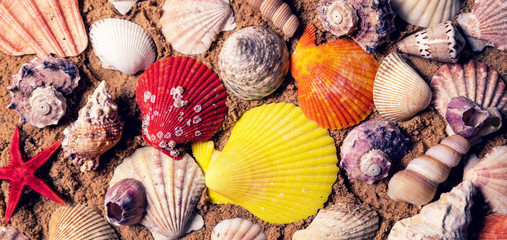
(279, 13)
(237, 228)
(426, 13)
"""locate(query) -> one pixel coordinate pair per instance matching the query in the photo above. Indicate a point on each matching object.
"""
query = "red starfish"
(21, 174)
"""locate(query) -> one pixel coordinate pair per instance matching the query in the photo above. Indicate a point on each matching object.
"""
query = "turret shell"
(279, 13)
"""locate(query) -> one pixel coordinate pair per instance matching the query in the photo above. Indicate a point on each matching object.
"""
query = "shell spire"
(279, 13)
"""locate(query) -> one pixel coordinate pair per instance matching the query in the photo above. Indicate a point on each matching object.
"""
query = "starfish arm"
(6, 173)
(41, 187)
(14, 194)
(41, 157)
(15, 154)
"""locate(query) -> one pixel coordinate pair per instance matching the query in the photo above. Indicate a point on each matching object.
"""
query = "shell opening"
(114, 211)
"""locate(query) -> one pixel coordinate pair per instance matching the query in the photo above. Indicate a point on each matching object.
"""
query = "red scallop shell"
(493, 227)
(167, 126)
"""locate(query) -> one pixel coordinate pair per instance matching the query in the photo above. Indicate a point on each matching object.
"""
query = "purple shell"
(10, 233)
(465, 117)
(125, 202)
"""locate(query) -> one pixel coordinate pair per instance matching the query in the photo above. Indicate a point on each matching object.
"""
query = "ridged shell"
(399, 92)
(253, 62)
(441, 42)
(426, 13)
(277, 164)
(181, 101)
(122, 45)
(489, 175)
(123, 6)
(494, 227)
(79, 222)
(341, 221)
(173, 188)
(97, 129)
(279, 13)
(10, 233)
(486, 25)
(38, 88)
(192, 25)
(41, 27)
(237, 228)
(335, 80)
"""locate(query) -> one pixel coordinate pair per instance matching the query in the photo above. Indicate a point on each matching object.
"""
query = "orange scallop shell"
(335, 80)
(493, 227)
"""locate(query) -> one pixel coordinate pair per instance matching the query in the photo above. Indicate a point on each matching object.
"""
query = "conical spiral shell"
(277, 164)
(173, 188)
(398, 91)
(426, 13)
(237, 228)
(279, 13)
(79, 222)
(341, 221)
(10, 233)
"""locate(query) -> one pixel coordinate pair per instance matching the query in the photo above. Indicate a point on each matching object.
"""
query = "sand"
(34, 211)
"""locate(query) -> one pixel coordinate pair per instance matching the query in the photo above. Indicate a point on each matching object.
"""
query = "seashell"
(279, 13)
(97, 129)
(194, 112)
(237, 228)
(493, 226)
(446, 218)
(253, 62)
(486, 25)
(418, 183)
(192, 25)
(441, 42)
(465, 117)
(271, 166)
(42, 27)
(398, 91)
(79, 222)
(125, 202)
(477, 82)
(38, 88)
(341, 221)
(173, 188)
(10, 233)
(335, 80)
(426, 13)
(367, 22)
(369, 149)
(123, 6)
(489, 175)
(122, 45)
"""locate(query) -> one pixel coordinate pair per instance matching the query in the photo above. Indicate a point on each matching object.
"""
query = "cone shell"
(97, 130)
(335, 80)
(341, 221)
(181, 101)
(441, 42)
(279, 13)
(253, 62)
(79, 222)
(173, 188)
(122, 45)
(41, 27)
(237, 228)
(486, 25)
(192, 25)
(123, 6)
(38, 88)
(493, 226)
(426, 13)
(398, 91)
(489, 175)
(277, 164)
(10, 233)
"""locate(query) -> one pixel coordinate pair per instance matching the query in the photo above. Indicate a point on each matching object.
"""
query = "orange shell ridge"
(335, 80)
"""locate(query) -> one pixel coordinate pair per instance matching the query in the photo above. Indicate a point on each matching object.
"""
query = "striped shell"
(426, 13)
(279, 13)
(10, 233)
(237, 228)
(493, 227)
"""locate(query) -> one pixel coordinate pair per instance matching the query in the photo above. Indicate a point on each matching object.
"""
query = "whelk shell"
(279, 13)
(237, 228)
(270, 151)
(426, 13)
(123, 6)
(10, 233)
(42, 27)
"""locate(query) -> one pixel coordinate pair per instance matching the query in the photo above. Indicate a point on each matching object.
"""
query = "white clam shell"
(398, 90)
(122, 45)
(123, 6)
(426, 13)
(237, 228)
(173, 188)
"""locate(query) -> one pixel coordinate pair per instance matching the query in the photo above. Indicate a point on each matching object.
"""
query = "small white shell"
(122, 45)
(123, 6)
(237, 228)
(426, 13)
(340, 18)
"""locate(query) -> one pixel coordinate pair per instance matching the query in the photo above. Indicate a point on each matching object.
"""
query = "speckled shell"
(192, 25)
(237, 228)
(10, 233)
(79, 222)
(341, 221)
(486, 25)
(38, 88)
(122, 45)
(489, 175)
(181, 101)
(279, 13)
(426, 13)
(97, 129)
(173, 188)
(368, 150)
(42, 27)
(493, 227)
(253, 62)
(398, 91)
(375, 20)
(123, 6)
(441, 42)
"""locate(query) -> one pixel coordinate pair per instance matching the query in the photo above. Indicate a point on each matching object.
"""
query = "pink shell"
(181, 101)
